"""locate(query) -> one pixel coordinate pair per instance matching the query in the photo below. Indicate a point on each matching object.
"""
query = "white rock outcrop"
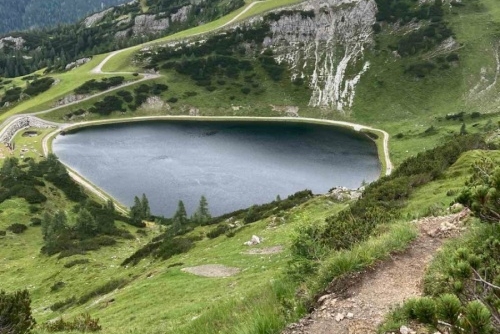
(326, 49)
(16, 43)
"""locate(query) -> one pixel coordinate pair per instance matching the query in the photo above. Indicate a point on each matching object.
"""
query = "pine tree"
(110, 205)
(179, 219)
(85, 226)
(136, 212)
(202, 214)
(463, 130)
(146, 211)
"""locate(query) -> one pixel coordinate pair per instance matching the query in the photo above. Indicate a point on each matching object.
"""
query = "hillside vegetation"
(426, 72)
(27, 14)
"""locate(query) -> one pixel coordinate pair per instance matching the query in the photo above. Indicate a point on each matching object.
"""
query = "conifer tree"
(202, 213)
(146, 211)
(179, 219)
(85, 226)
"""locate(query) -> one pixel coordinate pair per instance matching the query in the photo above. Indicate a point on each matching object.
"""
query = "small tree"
(146, 211)
(136, 211)
(202, 214)
(110, 205)
(463, 130)
(180, 219)
(85, 226)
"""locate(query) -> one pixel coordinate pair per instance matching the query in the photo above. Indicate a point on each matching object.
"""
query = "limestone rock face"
(144, 24)
(326, 49)
(15, 43)
(94, 19)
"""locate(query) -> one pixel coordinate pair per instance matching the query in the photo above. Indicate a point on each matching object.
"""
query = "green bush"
(171, 247)
(17, 228)
(449, 308)
(15, 312)
(102, 290)
(57, 286)
(63, 304)
(477, 319)
(82, 323)
(76, 262)
(218, 230)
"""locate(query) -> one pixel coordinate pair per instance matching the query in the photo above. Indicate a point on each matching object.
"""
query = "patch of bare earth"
(212, 270)
(365, 299)
(264, 251)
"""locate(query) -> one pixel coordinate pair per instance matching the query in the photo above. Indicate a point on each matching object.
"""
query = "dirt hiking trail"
(361, 308)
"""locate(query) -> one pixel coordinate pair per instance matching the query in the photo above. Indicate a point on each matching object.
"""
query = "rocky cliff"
(324, 44)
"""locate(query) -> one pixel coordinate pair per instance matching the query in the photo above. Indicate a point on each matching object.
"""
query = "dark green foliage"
(269, 64)
(163, 246)
(180, 219)
(174, 246)
(107, 106)
(25, 14)
(125, 95)
(11, 95)
(39, 86)
(218, 230)
(17, 228)
(62, 305)
(82, 323)
(420, 69)
(483, 197)
(140, 211)
(449, 308)
(35, 221)
(15, 312)
(3, 233)
(55, 172)
(202, 214)
(76, 262)
(424, 310)
(102, 290)
(94, 228)
(477, 319)
(423, 39)
(57, 286)
(93, 85)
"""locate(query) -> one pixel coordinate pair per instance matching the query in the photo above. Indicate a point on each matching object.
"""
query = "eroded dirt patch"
(212, 270)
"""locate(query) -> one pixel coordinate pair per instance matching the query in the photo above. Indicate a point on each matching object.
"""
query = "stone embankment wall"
(22, 123)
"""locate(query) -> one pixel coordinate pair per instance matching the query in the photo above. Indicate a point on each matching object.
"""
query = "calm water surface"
(234, 164)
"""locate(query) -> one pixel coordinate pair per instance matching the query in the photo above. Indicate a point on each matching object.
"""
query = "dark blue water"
(234, 164)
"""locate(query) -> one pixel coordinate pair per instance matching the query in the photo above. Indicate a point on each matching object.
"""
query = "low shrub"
(75, 262)
(15, 312)
(57, 286)
(217, 231)
(82, 323)
(102, 290)
(17, 228)
(61, 305)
